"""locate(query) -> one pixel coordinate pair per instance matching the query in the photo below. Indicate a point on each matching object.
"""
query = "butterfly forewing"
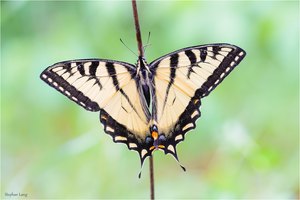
(182, 78)
(108, 86)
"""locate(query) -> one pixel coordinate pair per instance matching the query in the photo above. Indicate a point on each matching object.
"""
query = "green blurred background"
(246, 144)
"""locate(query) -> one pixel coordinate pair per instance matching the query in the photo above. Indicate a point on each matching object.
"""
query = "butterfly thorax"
(145, 79)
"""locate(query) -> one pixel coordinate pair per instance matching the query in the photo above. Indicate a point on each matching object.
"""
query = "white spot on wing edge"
(217, 81)
(143, 152)
(132, 145)
(171, 148)
(44, 76)
(110, 129)
(195, 113)
(241, 53)
(50, 80)
(178, 137)
(74, 98)
(190, 125)
(222, 75)
(120, 138)
(89, 108)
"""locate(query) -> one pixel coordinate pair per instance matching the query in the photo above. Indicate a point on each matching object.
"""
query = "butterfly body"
(146, 106)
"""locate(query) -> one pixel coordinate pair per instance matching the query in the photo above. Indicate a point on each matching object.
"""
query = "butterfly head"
(142, 64)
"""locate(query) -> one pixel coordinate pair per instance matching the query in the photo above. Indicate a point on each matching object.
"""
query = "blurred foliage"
(245, 145)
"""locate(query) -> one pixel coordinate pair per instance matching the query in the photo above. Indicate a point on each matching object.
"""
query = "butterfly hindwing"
(182, 78)
(121, 134)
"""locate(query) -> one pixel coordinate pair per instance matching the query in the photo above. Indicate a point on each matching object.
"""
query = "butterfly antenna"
(147, 44)
(128, 48)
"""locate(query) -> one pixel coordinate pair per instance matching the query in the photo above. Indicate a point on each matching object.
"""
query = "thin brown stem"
(137, 29)
(141, 53)
(151, 178)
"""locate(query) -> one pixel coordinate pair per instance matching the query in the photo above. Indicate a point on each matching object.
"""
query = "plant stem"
(141, 53)
(151, 178)
(137, 29)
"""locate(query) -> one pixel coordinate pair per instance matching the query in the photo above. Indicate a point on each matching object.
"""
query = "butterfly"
(151, 106)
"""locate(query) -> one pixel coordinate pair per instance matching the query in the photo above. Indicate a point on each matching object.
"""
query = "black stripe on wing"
(174, 63)
(112, 72)
(58, 74)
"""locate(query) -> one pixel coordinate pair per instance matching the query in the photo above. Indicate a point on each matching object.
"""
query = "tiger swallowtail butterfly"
(148, 107)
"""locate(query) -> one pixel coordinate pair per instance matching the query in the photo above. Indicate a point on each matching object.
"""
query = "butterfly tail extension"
(172, 150)
(144, 151)
(142, 162)
(185, 123)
